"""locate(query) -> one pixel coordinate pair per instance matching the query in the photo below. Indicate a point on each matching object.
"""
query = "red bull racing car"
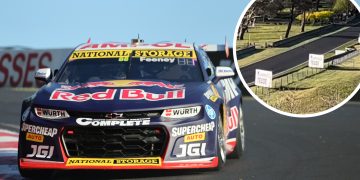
(124, 106)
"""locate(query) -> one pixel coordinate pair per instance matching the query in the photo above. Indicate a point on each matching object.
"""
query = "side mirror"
(43, 74)
(222, 72)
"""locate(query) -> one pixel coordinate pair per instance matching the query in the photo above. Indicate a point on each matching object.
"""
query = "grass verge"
(268, 33)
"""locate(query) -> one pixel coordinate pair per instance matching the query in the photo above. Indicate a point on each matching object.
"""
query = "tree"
(259, 8)
(317, 5)
(341, 6)
(301, 6)
(246, 21)
(291, 18)
(304, 6)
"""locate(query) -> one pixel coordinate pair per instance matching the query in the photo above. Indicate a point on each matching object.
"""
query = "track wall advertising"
(18, 67)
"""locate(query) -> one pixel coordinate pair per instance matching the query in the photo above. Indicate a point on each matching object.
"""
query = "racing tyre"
(240, 138)
(221, 151)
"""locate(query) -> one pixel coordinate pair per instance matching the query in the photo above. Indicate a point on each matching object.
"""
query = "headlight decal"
(51, 113)
(181, 112)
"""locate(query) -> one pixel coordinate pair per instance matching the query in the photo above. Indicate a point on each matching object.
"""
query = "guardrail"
(243, 51)
(301, 36)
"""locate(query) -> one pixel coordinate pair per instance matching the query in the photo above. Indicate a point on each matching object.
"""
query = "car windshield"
(135, 66)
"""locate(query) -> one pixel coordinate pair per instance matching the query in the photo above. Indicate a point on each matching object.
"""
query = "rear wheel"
(221, 151)
(240, 137)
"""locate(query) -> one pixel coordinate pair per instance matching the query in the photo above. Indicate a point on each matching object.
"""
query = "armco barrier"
(301, 36)
(243, 51)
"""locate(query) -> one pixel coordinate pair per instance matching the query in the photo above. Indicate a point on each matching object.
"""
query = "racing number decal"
(194, 149)
(41, 151)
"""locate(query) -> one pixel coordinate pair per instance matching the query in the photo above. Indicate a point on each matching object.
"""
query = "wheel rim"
(242, 130)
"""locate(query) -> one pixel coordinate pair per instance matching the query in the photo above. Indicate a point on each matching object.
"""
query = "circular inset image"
(299, 58)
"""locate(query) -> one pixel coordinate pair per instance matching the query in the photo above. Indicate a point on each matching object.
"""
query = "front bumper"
(26, 163)
(41, 146)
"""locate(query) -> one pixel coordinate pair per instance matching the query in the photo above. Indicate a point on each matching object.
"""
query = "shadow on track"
(126, 174)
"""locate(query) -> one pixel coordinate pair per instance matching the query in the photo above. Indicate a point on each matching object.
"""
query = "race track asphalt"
(300, 54)
(277, 147)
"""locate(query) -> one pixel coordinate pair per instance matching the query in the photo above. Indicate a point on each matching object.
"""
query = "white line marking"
(12, 126)
(8, 149)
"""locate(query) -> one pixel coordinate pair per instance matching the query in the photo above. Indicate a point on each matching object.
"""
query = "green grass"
(268, 33)
(317, 93)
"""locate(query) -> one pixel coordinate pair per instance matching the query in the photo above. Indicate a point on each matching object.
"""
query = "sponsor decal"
(139, 94)
(165, 53)
(229, 89)
(233, 119)
(159, 84)
(41, 151)
(181, 112)
(122, 83)
(168, 60)
(39, 130)
(193, 149)
(181, 131)
(90, 54)
(125, 94)
(153, 161)
(183, 61)
(225, 71)
(112, 122)
(210, 112)
(50, 113)
(209, 94)
(194, 137)
(68, 96)
(126, 45)
(34, 137)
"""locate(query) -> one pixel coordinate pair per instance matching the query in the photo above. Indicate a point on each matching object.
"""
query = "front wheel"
(240, 137)
(221, 151)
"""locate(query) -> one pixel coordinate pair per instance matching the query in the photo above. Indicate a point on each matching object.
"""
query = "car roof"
(117, 45)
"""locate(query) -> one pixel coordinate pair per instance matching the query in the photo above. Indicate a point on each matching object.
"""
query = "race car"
(131, 106)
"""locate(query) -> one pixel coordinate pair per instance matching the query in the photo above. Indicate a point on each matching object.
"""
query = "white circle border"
(264, 103)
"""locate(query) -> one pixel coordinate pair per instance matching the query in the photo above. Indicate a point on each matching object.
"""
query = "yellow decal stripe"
(153, 161)
(89, 54)
(216, 93)
(165, 53)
